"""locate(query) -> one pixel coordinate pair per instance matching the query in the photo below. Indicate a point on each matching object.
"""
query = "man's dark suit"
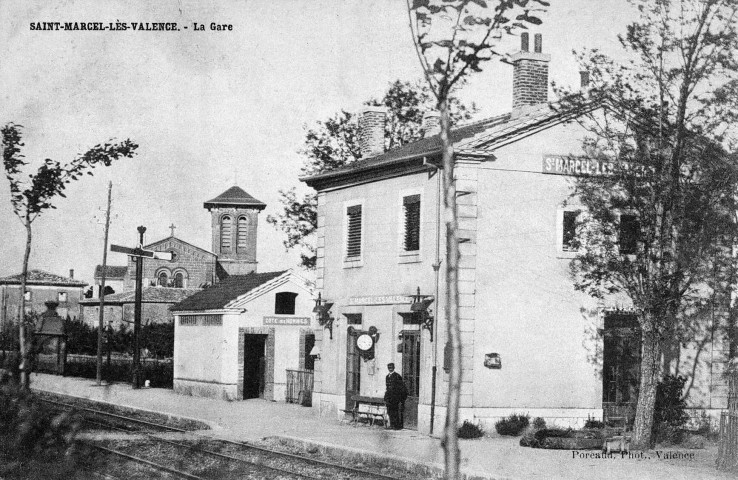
(394, 397)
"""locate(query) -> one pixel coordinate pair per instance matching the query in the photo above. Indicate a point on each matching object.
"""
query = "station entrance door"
(254, 365)
(411, 375)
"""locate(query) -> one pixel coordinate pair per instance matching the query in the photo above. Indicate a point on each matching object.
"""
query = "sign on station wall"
(303, 321)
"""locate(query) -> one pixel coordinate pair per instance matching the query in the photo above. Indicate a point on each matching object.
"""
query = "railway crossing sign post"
(139, 253)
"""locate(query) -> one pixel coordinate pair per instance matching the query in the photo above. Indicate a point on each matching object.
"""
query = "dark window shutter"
(353, 236)
(411, 206)
(225, 233)
(629, 233)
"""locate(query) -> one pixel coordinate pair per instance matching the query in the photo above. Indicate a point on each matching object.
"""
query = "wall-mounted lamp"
(420, 310)
(322, 310)
(315, 353)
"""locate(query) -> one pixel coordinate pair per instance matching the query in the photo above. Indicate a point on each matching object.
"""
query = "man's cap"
(390, 365)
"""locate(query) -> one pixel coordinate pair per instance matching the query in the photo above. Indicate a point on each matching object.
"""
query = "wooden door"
(411, 376)
(353, 368)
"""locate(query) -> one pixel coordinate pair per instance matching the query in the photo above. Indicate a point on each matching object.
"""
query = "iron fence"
(299, 387)
(728, 443)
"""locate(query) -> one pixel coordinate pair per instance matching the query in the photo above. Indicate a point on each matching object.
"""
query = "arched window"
(225, 233)
(284, 303)
(162, 279)
(179, 280)
(242, 236)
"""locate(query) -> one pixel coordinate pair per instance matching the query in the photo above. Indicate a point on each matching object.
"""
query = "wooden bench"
(370, 408)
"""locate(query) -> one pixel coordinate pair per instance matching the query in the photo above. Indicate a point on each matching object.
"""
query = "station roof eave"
(476, 141)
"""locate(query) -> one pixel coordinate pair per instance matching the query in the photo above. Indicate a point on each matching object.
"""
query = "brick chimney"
(530, 75)
(71, 273)
(431, 123)
(371, 131)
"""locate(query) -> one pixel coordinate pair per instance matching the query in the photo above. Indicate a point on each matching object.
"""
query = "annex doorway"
(621, 364)
(411, 376)
(254, 365)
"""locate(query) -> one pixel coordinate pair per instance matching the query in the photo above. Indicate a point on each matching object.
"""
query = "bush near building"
(512, 425)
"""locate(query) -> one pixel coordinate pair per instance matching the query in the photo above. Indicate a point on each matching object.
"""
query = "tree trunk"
(452, 454)
(22, 333)
(650, 355)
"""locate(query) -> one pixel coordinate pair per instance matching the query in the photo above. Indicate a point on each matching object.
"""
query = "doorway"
(254, 365)
(353, 368)
(621, 366)
(411, 376)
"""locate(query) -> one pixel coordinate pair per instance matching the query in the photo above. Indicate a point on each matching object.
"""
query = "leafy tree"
(33, 194)
(453, 38)
(334, 143)
(666, 128)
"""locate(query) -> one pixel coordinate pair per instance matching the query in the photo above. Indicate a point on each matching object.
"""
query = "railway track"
(239, 459)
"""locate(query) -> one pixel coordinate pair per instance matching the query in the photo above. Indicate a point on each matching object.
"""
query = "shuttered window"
(225, 233)
(411, 207)
(353, 234)
(242, 238)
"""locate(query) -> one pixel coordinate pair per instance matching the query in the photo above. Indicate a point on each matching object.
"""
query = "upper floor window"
(284, 303)
(225, 233)
(162, 279)
(242, 234)
(411, 211)
(179, 280)
(61, 297)
(353, 232)
(569, 227)
(629, 233)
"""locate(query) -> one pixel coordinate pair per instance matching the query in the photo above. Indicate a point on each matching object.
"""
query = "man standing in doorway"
(394, 397)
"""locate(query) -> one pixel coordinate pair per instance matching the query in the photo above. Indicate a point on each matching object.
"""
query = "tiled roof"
(234, 197)
(220, 294)
(148, 295)
(39, 277)
(111, 271)
(477, 139)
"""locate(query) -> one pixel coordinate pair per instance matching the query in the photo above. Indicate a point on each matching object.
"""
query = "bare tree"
(32, 194)
(452, 39)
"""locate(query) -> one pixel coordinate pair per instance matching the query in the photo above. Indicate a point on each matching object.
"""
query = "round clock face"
(364, 342)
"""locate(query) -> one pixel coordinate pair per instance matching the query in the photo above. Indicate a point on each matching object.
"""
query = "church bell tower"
(235, 217)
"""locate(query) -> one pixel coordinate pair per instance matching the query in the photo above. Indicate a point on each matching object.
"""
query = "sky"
(211, 109)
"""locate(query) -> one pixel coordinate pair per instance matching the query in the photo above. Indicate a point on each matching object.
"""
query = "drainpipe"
(436, 269)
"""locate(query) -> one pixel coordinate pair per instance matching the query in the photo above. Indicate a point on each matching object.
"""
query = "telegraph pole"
(137, 314)
(102, 289)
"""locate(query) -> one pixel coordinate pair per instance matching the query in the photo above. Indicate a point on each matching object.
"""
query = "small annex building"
(237, 339)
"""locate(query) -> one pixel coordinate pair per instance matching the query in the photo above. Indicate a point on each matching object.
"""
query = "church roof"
(111, 272)
(219, 295)
(234, 197)
(155, 244)
(148, 295)
(40, 277)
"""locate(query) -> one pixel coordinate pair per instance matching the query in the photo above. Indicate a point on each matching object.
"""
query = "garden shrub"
(539, 423)
(669, 415)
(592, 424)
(512, 425)
(470, 430)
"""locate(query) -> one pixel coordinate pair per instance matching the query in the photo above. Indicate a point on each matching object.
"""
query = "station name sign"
(380, 300)
(304, 321)
(583, 166)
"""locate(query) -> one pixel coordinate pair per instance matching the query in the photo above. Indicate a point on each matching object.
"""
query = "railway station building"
(531, 343)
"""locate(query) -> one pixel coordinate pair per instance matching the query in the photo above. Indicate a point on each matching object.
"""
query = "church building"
(234, 222)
